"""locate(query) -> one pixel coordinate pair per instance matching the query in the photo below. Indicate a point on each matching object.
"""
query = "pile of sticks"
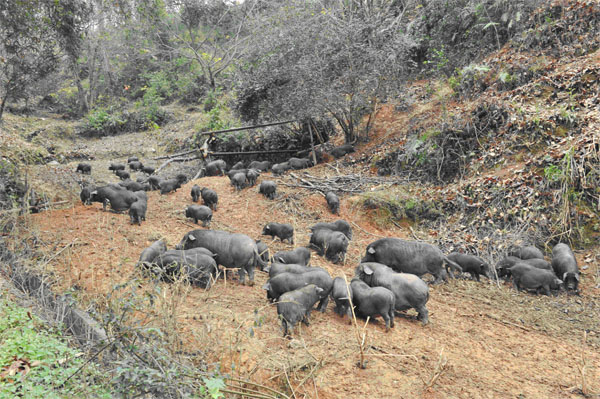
(352, 183)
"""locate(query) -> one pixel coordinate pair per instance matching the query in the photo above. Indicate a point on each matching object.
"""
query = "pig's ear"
(191, 238)
(576, 276)
(266, 287)
(368, 271)
(95, 192)
(371, 250)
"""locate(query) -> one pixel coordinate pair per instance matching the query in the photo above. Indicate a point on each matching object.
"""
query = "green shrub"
(27, 340)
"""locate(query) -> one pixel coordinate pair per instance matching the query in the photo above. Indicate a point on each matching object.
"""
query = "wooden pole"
(237, 129)
(312, 142)
(256, 152)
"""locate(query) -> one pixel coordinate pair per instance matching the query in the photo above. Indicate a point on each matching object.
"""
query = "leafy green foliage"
(50, 361)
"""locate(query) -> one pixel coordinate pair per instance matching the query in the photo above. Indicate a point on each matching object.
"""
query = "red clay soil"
(484, 341)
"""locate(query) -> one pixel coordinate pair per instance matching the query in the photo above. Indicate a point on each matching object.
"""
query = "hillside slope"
(502, 153)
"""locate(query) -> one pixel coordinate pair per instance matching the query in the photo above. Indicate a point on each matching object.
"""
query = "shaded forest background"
(116, 64)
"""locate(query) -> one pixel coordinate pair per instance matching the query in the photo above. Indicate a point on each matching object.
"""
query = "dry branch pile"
(350, 183)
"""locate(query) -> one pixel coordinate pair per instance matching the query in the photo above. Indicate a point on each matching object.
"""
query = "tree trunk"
(2, 106)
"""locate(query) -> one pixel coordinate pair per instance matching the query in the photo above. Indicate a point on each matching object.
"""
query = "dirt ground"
(484, 340)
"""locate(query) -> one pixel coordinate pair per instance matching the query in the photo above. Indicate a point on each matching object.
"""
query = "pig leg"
(250, 271)
(284, 326)
(546, 289)
(440, 277)
(242, 274)
(323, 304)
(423, 314)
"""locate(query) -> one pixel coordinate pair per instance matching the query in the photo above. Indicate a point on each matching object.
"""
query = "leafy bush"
(45, 359)
(107, 122)
(102, 121)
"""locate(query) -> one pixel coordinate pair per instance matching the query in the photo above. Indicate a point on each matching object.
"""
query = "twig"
(175, 160)
(493, 317)
(89, 360)
(246, 394)
(257, 385)
(58, 253)
(582, 367)
(440, 367)
(175, 155)
(360, 341)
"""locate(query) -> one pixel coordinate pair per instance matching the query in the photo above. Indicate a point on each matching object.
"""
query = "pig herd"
(388, 278)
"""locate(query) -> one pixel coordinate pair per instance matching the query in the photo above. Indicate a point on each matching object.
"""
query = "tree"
(28, 47)
(305, 60)
(207, 32)
(32, 35)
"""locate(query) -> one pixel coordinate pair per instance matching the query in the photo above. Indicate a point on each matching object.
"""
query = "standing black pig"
(277, 268)
(154, 182)
(239, 181)
(282, 230)
(195, 264)
(122, 174)
(342, 150)
(149, 254)
(119, 200)
(268, 188)
(409, 290)
(285, 282)
(333, 201)
(280, 168)
(338, 225)
(209, 197)
(527, 252)
(503, 266)
(196, 193)
(373, 301)
(413, 257)
(296, 305)
(199, 212)
(216, 168)
(137, 210)
(166, 186)
(299, 163)
(132, 159)
(299, 256)
(252, 176)
(565, 266)
(331, 243)
(239, 165)
(86, 195)
(132, 185)
(532, 278)
(84, 168)
(116, 166)
(471, 264)
(262, 166)
(136, 165)
(148, 170)
(232, 250)
(341, 293)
